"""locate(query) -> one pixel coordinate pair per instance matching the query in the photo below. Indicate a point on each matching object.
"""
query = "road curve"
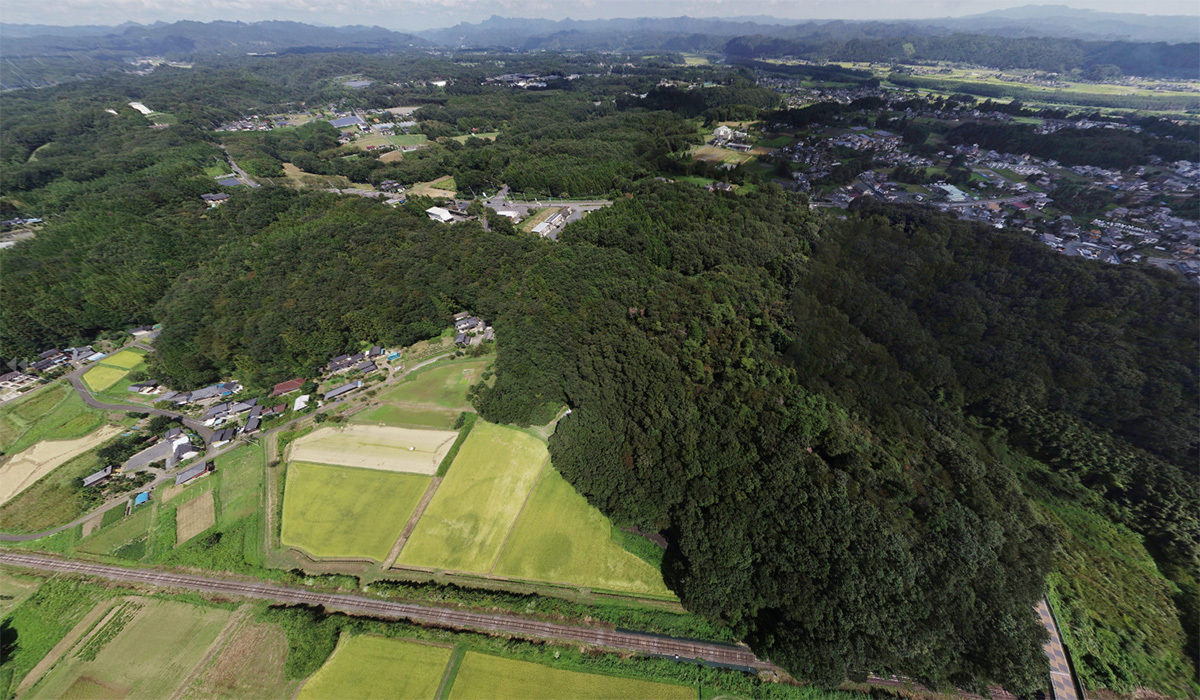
(76, 379)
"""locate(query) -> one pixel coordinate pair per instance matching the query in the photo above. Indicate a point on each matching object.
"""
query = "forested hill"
(800, 405)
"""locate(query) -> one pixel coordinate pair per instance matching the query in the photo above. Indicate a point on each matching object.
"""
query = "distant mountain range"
(680, 33)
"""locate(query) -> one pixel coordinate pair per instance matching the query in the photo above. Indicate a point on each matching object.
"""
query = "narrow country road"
(1062, 680)
(242, 175)
(76, 378)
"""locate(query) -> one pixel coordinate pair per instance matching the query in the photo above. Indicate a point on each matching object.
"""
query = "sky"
(412, 15)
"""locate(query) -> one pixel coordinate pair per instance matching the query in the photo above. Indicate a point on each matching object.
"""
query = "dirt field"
(713, 154)
(92, 525)
(249, 666)
(376, 447)
(391, 157)
(442, 187)
(26, 467)
(194, 517)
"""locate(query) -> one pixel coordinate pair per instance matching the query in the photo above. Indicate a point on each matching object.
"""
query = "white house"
(439, 214)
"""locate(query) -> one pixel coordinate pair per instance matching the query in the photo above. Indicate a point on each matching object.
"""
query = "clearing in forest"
(146, 648)
(485, 677)
(561, 538)
(194, 517)
(381, 447)
(342, 512)
(474, 508)
(376, 667)
(26, 467)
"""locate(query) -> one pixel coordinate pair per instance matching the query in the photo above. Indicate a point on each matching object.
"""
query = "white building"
(439, 214)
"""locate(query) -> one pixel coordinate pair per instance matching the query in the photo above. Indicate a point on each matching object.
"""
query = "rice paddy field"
(194, 517)
(485, 677)
(441, 386)
(53, 413)
(713, 154)
(377, 667)
(343, 512)
(112, 369)
(563, 539)
(381, 447)
(472, 512)
(144, 648)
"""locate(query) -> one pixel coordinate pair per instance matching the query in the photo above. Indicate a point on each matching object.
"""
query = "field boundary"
(82, 629)
(508, 535)
(236, 620)
(412, 522)
(469, 420)
(452, 666)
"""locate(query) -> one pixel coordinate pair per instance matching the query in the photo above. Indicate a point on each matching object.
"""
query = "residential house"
(252, 425)
(184, 451)
(366, 367)
(150, 387)
(222, 437)
(98, 477)
(301, 402)
(194, 472)
(15, 380)
(462, 340)
(440, 214)
(214, 199)
(287, 387)
(342, 390)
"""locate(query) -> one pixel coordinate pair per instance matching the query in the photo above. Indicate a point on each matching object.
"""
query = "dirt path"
(412, 522)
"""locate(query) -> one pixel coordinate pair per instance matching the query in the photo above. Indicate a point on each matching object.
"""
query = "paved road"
(76, 378)
(242, 175)
(1062, 682)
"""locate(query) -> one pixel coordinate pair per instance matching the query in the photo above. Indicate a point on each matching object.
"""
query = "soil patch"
(26, 467)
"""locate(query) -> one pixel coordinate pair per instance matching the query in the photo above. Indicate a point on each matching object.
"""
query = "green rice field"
(145, 650)
(443, 386)
(467, 521)
(484, 677)
(344, 512)
(101, 377)
(561, 538)
(366, 667)
(408, 417)
(126, 359)
(112, 537)
(53, 413)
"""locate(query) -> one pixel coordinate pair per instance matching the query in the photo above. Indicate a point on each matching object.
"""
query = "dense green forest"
(869, 439)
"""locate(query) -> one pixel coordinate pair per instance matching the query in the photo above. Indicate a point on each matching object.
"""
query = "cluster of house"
(471, 330)
(724, 137)
(359, 362)
(527, 80)
(20, 221)
(201, 396)
(172, 449)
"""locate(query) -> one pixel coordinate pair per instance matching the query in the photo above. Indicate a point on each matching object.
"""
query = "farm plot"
(126, 359)
(341, 512)
(561, 538)
(27, 466)
(408, 416)
(713, 154)
(194, 517)
(146, 648)
(376, 447)
(377, 667)
(16, 588)
(475, 507)
(53, 413)
(116, 536)
(484, 677)
(442, 187)
(101, 377)
(250, 665)
(443, 386)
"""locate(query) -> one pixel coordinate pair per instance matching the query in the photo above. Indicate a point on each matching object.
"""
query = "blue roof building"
(141, 498)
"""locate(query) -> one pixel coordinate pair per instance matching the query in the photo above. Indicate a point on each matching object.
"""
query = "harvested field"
(442, 385)
(126, 359)
(26, 467)
(379, 447)
(340, 512)
(473, 510)
(713, 154)
(146, 652)
(101, 377)
(92, 525)
(249, 666)
(376, 667)
(194, 517)
(171, 491)
(563, 539)
(484, 677)
(391, 157)
(442, 187)
(408, 416)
